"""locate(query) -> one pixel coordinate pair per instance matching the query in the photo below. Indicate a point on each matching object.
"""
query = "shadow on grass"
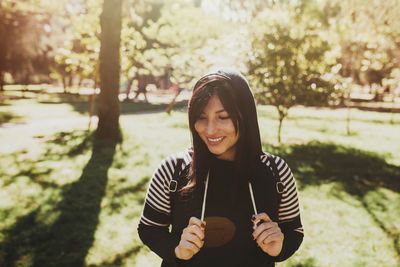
(7, 117)
(117, 202)
(310, 262)
(67, 241)
(71, 236)
(359, 173)
(60, 145)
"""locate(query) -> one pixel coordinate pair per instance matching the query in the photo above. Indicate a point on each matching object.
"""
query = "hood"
(246, 105)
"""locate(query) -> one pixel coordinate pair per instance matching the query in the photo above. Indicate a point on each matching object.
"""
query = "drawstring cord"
(203, 209)
(252, 198)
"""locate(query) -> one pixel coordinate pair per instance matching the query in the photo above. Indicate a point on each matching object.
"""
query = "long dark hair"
(234, 93)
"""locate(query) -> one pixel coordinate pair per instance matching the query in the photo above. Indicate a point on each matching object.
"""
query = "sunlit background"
(325, 76)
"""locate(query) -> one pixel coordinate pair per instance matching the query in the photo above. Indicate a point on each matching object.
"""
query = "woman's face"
(217, 130)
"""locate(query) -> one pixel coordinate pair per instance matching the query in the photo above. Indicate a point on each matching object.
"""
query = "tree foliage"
(24, 30)
(76, 56)
(369, 37)
(289, 60)
(187, 37)
(181, 38)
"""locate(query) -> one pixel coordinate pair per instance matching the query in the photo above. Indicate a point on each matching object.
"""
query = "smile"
(214, 141)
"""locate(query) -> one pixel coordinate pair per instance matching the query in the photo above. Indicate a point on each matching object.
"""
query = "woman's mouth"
(215, 141)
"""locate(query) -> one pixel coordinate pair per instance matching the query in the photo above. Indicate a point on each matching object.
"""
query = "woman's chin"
(215, 153)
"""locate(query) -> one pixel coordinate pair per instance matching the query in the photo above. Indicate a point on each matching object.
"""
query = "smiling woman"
(228, 202)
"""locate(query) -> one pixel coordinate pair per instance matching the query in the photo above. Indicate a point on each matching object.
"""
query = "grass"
(65, 201)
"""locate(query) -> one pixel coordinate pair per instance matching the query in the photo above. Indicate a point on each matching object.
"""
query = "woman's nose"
(211, 128)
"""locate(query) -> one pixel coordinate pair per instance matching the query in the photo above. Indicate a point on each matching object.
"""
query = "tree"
(289, 60)
(76, 51)
(369, 36)
(138, 47)
(24, 29)
(193, 43)
(108, 102)
(178, 37)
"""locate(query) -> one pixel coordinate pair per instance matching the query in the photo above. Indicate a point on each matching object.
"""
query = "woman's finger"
(196, 221)
(272, 238)
(261, 217)
(262, 227)
(260, 239)
(195, 240)
(194, 229)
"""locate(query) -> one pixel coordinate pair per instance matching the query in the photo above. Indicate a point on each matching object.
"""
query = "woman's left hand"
(267, 234)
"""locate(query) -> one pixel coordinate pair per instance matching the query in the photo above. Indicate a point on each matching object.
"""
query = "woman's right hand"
(192, 239)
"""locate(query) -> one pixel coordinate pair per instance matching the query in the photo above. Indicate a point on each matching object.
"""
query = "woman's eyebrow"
(218, 111)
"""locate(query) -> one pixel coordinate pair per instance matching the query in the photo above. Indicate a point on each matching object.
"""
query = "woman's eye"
(224, 117)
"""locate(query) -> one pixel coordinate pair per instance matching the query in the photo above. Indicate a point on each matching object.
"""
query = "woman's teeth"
(215, 139)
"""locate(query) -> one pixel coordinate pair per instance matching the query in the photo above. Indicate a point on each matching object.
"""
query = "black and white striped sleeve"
(289, 212)
(157, 207)
(289, 207)
(155, 220)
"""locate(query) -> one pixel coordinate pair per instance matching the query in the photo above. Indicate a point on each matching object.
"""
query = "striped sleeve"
(288, 212)
(157, 205)
(289, 205)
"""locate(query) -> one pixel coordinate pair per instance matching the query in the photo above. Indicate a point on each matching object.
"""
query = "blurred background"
(93, 95)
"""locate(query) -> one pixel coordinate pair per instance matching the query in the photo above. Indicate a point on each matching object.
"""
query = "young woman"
(228, 203)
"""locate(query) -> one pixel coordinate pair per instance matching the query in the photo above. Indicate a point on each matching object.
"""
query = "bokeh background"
(93, 94)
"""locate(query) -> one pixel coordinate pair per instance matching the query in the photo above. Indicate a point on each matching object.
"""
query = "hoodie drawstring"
(203, 209)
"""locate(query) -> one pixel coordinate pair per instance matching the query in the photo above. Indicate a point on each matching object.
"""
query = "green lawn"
(65, 201)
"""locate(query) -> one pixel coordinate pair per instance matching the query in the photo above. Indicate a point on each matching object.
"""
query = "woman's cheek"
(197, 127)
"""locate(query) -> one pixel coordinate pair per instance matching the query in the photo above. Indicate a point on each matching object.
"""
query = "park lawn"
(63, 203)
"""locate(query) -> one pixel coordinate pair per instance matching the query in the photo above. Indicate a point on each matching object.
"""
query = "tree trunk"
(80, 82)
(128, 88)
(92, 102)
(392, 110)
(348, 118)
(108, 105)
(69, 81)
(280, 129)
(172, 103)
(282, 113)
(348, 115)
(64, 83)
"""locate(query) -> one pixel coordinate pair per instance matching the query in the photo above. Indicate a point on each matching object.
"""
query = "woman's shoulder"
(267, 157)
(284, 171)
(171, 162)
